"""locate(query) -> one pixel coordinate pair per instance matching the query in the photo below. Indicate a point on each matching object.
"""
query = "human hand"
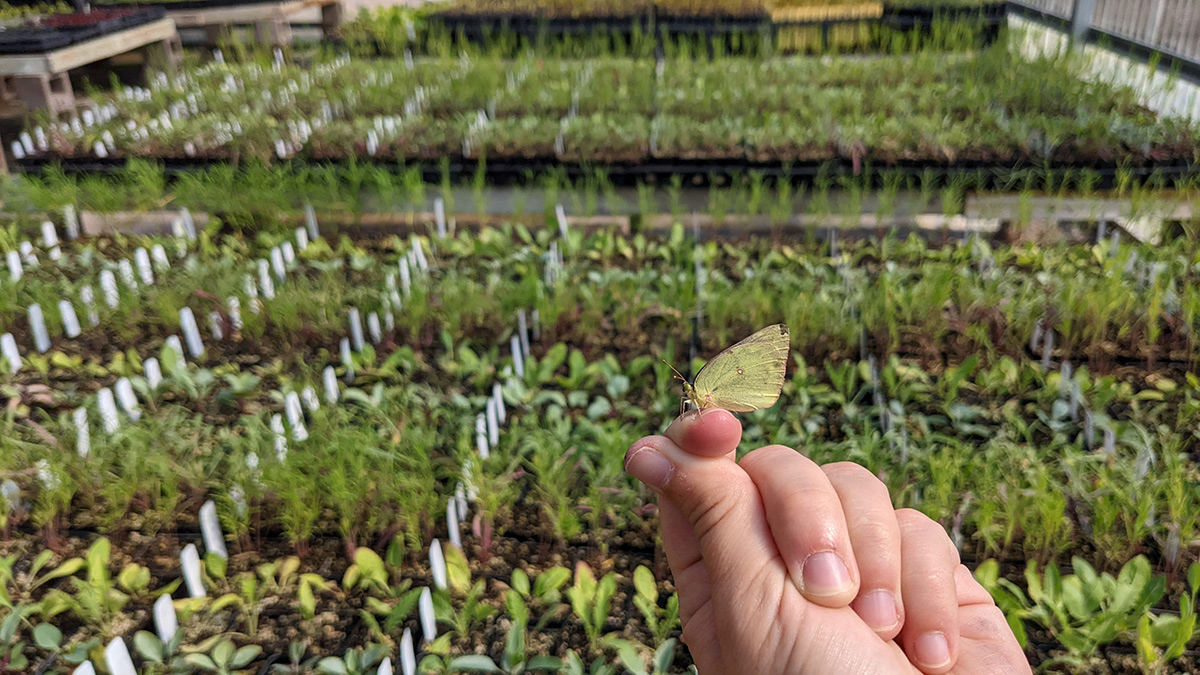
(786, 567)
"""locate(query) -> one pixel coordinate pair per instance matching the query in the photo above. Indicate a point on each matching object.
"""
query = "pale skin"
(786, 567)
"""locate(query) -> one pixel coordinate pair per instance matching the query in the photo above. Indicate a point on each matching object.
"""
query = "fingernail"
(931, 651)
(650, 467)
(825, 574)
(878, 609)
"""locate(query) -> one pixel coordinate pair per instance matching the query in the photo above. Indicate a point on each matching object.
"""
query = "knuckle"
(874, 538)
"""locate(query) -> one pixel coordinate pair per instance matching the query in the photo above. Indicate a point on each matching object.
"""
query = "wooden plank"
(197, 18)
(103, 47)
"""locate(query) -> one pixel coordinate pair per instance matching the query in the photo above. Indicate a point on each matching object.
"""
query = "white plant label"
(88, 298)
(108, 286)
(523, 332)
(329, 379)
(310, 222)
(277, 264)
(189, 560)
(264, 280)
(347, 359)
(37, 323)
(71, 221)
(159, 255)
(15, 270)
(437, 565)
(481, 437)
(452, 523)
(356, 332)
(439, 214)
(153, 373)
(18, 151)
(560, 214)
(518, 357)
(301, 239)
(408, 656)
(28, 255)
(189, 224)
(125, 270)
(295, 415)
(142, 258)
(419, 254)
(373, 328)
(50, 240)
(460, 501)
(428, 621)
(83, 435)
(309, 396)
(26, 142)
(86, 668)
(116, 655)
(191, 332)
(389, 322)
(69, 320)
(210, 530)
(493, 424)
(125, 397)
(108, 410)
(216, 325)
(173, 342)
(498, 395)
(235, 312)
(289, 253)
(385, 666)
(8, 349)
(165, 621)
(280, 440)
(405, 277)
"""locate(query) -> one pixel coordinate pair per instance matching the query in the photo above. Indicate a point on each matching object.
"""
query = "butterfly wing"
(747, 376)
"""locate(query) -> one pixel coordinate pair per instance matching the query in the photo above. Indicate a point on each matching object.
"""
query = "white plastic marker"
(347, 359)
(385, 666)
(28, 254)
(481, 437)
(71, 221)
(428, 622)
(83, 435)
(518, 358)
(8, 349)
(210, 530)
(309, 396)
(108, 286)
(37, 322)
(419, 253)
(189, 224)
(128, 401)
(69, 320)
(281, 448)
(18, 151)
(142, 258)
(125, 271)
(189, 559)
(295, 415)
(235, 312)
(493, 424)
(50, 239)
(452, 523)
(116, 655)
(523, 332)
(86, 668)
(373, 328)
(289, 253)
(26, 142)
(408, 656)
(310, 222)
(329, 378)
(165, 621)
(191, 332)
(301, 239)
(251, 290)
(498, 395)
(389, 322)
(216, 325)
(560, 214)
(159, 255)
(172, 341)
(264, 280)
(108, 410)
(356, 332)
(439, 214)
(277, 264)
(437, 565)
(88, 298)
(153, 373)
(537, 326)
(15, 270)
(405, 277)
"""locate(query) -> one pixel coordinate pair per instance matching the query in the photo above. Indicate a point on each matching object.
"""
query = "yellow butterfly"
(747, 376)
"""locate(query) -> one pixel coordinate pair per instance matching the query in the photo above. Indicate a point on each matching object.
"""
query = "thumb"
(692, 468)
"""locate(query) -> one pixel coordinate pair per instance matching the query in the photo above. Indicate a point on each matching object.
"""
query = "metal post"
(1081, 20)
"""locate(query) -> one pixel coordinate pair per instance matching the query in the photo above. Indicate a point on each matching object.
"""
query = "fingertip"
(706, 433)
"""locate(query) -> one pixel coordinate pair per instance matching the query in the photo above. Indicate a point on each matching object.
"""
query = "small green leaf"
(331, 665)
(474, 663)
(243, 657)
(47, 636)
(149, 646)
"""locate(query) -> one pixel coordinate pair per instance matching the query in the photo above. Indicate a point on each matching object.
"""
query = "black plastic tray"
(31, 40)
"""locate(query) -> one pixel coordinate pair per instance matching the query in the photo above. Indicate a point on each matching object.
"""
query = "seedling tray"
(63, 30)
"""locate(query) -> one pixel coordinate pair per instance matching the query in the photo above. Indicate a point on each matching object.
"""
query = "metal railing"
(1171, 27)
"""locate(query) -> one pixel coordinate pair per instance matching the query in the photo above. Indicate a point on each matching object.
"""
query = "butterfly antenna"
(679, 377)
